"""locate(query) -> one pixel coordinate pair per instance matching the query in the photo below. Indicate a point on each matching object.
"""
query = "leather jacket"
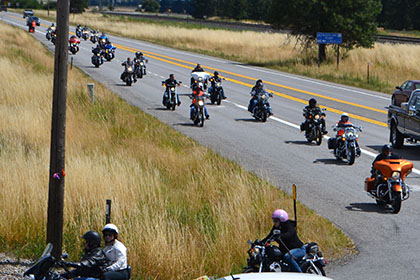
(92, 264)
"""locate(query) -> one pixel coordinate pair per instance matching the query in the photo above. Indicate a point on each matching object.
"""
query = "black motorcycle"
(269, 258)
(53, 37)
(139, 68)
(97, 59)
(85, 33)
(216, 93)
(94, 36)
(198, 111)
(170, 101)
(127, 75)
(78, 32)
(313, 130)
(261, 110)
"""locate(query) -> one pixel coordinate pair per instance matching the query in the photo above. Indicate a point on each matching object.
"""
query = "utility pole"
(58, 132)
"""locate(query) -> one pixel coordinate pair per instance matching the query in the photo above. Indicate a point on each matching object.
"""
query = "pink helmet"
(281, 215)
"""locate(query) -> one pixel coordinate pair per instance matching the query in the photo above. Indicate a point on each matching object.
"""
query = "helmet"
(281, 215)
(92, 238)
(259, 83)
(141, 53)
(138, 54)
(52, 24)
(386, 149)
(312, 102)
(110, 227)
(128, 59)
(216, 73)
(344, 117)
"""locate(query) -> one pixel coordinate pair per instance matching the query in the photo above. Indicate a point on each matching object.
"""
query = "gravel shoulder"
(13, 268)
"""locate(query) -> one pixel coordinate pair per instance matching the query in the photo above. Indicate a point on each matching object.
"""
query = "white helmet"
(110, 227)
(345, 117)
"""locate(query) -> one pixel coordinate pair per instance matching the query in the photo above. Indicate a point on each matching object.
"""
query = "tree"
(258, 9)
(151, 6)
(203, 8)
(355, 19)
(78, 6)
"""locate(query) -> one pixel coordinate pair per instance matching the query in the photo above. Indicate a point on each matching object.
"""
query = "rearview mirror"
(276, 232)
(399, 88)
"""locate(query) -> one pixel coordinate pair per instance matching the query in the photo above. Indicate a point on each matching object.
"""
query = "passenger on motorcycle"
(215, 79)
(127, 64)
(116, 254)
(171, 82)
(142, 58)
(312, 109)
(257, 90)
(289, 243)
(93, 261)
(197, 91)
(198, 68)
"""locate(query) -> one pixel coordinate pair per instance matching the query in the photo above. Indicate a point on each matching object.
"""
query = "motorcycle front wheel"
(396, 202)
(201, 118)
(351, 156)
(308, 268)
(318, 136)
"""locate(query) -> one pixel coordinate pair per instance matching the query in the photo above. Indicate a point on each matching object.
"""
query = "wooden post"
(108, 211)
(294, 203)
(338, 55)
(58, 132)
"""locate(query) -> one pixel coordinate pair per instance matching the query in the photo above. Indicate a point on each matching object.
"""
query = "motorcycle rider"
(127, 64)
(198, 68)
(170, 82)
(51, 28)
(386, 153)
(256, 91)
(93, 261)
(116, 254)
(342, 123)
(216, 79)
(107, 41)
(312, 109)
(142, 58)
(289, 243)
(78, 30)
(198, 91)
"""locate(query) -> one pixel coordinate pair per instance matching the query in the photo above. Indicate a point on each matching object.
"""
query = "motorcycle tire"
(352, 157)
(264, 117)
(173, 106)
(140, 75)
(307, 268)
(318, 138)
(128, 82)
(196, 118)
(397, 139)
(219, 99)
(396, 202)
(201, 119)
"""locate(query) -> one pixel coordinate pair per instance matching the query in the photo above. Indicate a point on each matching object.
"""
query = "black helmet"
(216, 73)
(259, 83)
(386, 149)
(92, 238)
(138, 54)
(312, 102)
(128, 59)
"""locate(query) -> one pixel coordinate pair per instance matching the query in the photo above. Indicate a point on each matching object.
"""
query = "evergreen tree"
(204, 8)
(78, 6)
(151, 6)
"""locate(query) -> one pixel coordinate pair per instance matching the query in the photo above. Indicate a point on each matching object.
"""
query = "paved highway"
(277, 151)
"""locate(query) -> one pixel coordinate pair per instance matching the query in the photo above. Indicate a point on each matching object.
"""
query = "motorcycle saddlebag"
(369, 184)
(331, 143)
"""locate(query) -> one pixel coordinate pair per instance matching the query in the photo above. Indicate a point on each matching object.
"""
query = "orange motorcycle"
(388, 187)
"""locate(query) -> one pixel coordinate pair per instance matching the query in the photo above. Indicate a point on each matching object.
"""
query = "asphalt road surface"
(277, 151)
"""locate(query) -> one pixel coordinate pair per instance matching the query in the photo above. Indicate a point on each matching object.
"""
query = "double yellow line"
(188, 65)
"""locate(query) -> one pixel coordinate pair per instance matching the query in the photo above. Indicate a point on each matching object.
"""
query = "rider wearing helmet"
(127, 64)
(216, 79)
(256, 91)
(198, 68)
(343, 122)
(386, 153)
(197, 92)
(289, 243)
(142, 58)
(116, 253)
(93, 262)
(311, 110)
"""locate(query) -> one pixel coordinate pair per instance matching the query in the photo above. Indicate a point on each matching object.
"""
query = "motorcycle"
(346, 146)
(31, 26)
(127, 75)
(85, 33)
(97, 58)
(74, 44)
(269, 258)
(103, 40)
(199, 78)
(198, 111)
(94, 36)
(170, 100)
(48, 35)
(216, 93)
(108, 52)
(313, 130)
(53, 37)
(389, 187)
(44, 268)
(139, 68)
(78, 32)
(261, 110)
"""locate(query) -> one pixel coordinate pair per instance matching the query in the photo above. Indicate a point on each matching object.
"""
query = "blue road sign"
(328, 38)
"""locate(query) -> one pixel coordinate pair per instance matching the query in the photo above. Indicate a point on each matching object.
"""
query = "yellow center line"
(250, 85)
(159, 57)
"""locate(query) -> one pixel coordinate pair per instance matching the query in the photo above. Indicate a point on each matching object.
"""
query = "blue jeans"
(298, 253)
(166, 96)
(222, 92)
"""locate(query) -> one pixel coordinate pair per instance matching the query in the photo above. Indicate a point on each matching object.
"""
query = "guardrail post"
(91, 89)
(108, 211)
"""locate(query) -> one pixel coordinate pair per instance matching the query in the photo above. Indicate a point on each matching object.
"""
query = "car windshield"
(417, 86)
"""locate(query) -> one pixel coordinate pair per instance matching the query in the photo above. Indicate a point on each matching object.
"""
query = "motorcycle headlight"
(173, 88)
(201, 102)
(141, 63)
(256, 250)
(316, 117)
(263, 97)
(218, 84)
(129, 69)
(396, 175)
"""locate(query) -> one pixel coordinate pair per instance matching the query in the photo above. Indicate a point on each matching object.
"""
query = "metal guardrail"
(248, 26)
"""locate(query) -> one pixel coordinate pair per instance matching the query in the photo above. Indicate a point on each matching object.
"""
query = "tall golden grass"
(389, 65)
(183, 211)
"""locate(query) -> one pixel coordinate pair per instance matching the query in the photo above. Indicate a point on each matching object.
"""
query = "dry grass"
(183, 210)
(390, 65)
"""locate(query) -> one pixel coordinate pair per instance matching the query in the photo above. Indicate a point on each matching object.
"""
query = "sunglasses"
(108, 234)
(276, 221)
